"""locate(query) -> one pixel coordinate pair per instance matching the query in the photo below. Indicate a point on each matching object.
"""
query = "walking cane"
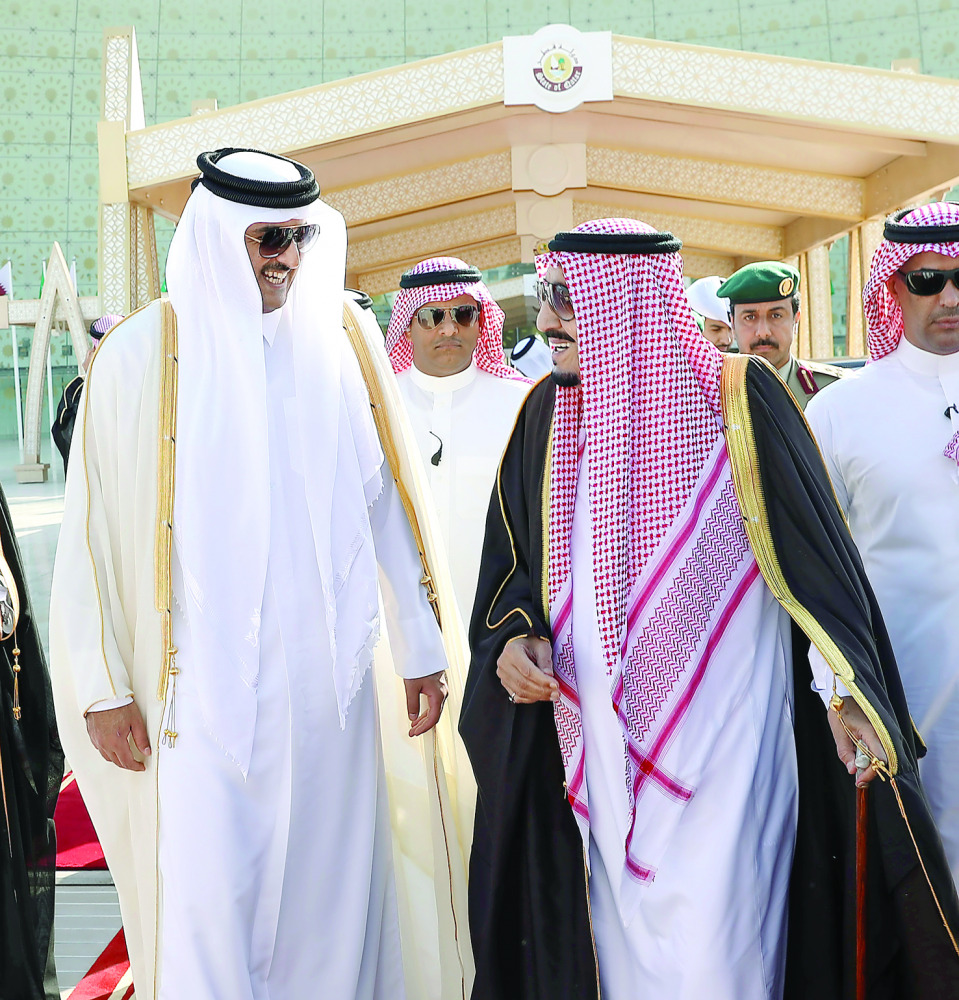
(862, 830)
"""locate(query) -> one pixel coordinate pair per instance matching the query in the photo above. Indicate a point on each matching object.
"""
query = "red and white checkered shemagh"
(883, 315)
(488, 356)
(650, 404)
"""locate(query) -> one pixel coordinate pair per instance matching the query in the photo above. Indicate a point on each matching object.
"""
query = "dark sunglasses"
(556, 296)
(430, 317)
(274, 240)
(928, 281)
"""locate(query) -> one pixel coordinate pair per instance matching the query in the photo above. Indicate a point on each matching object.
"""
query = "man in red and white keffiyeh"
(891, 442)
(619, 531)
(445, 341)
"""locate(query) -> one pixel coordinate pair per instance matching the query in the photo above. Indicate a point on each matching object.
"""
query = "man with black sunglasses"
(445, 341)
(890, 438)
(215, 608)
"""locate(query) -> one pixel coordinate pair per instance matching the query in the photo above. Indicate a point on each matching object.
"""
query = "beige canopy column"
(427, 158)
(128, 273)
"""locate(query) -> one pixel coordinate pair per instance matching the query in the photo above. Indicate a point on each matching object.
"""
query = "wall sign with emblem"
(558, 68)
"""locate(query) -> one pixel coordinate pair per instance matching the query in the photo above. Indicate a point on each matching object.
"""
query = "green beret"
(764, 281)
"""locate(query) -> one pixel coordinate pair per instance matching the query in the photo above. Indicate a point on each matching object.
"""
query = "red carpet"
(77, 844)
(78, 849)
(103, 981)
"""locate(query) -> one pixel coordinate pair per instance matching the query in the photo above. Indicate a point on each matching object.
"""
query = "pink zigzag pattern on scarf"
(952, 449)
(663, 650)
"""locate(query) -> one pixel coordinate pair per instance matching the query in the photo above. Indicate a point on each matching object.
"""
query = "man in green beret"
(764, 306)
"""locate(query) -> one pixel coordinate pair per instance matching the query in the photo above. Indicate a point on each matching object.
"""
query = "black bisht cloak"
(31, 763)
(529, 907)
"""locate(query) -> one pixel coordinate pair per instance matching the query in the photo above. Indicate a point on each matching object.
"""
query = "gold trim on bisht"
(388, 442)
(163, 551)
(744, 461)
(544, 512)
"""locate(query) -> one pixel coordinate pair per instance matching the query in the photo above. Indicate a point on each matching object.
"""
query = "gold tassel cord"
(169, 732)
(16, 677)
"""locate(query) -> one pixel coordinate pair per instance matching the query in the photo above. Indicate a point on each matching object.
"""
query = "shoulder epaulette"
(806, 372)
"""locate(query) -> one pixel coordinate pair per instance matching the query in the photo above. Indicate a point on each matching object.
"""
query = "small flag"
(43, 277)
(6, 279)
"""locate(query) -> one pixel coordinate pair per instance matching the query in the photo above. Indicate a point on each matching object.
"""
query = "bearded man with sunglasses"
(445, 342)
(890, 438)
(215, 608)
(665, 807)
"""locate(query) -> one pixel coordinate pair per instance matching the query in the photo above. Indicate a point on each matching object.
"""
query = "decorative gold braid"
(744, 461)
(544, 513)
(163, 546)
(388, 441)
(16, 676)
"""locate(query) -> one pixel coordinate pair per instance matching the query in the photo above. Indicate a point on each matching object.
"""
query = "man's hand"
(433, 686)
(525, 669)
(861, 728)
(110, 733)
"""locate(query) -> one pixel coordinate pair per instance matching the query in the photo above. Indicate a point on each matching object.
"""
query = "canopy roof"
(744, 156)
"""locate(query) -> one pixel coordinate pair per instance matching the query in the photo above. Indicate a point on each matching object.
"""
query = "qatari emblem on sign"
(558, 70)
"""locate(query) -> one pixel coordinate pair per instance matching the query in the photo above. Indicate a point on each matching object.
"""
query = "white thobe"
(462, 423)
(280, 886)
(713, 922)
(882, 433)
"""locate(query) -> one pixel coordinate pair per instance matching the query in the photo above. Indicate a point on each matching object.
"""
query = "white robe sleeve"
(414, 635)
(85, 600)
(823, 678)
(820, 422)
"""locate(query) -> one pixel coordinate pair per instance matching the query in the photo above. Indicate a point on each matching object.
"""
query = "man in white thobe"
(889, 437)
(445, 341)
(215, 607)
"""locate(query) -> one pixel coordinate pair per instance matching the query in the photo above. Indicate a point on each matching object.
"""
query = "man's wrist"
(109, 704)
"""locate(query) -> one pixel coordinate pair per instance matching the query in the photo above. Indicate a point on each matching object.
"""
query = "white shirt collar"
(271, 323)
(924, 362)
(443, 383)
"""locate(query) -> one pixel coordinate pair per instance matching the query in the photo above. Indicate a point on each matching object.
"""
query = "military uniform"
(806, 378)
(773, 281)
